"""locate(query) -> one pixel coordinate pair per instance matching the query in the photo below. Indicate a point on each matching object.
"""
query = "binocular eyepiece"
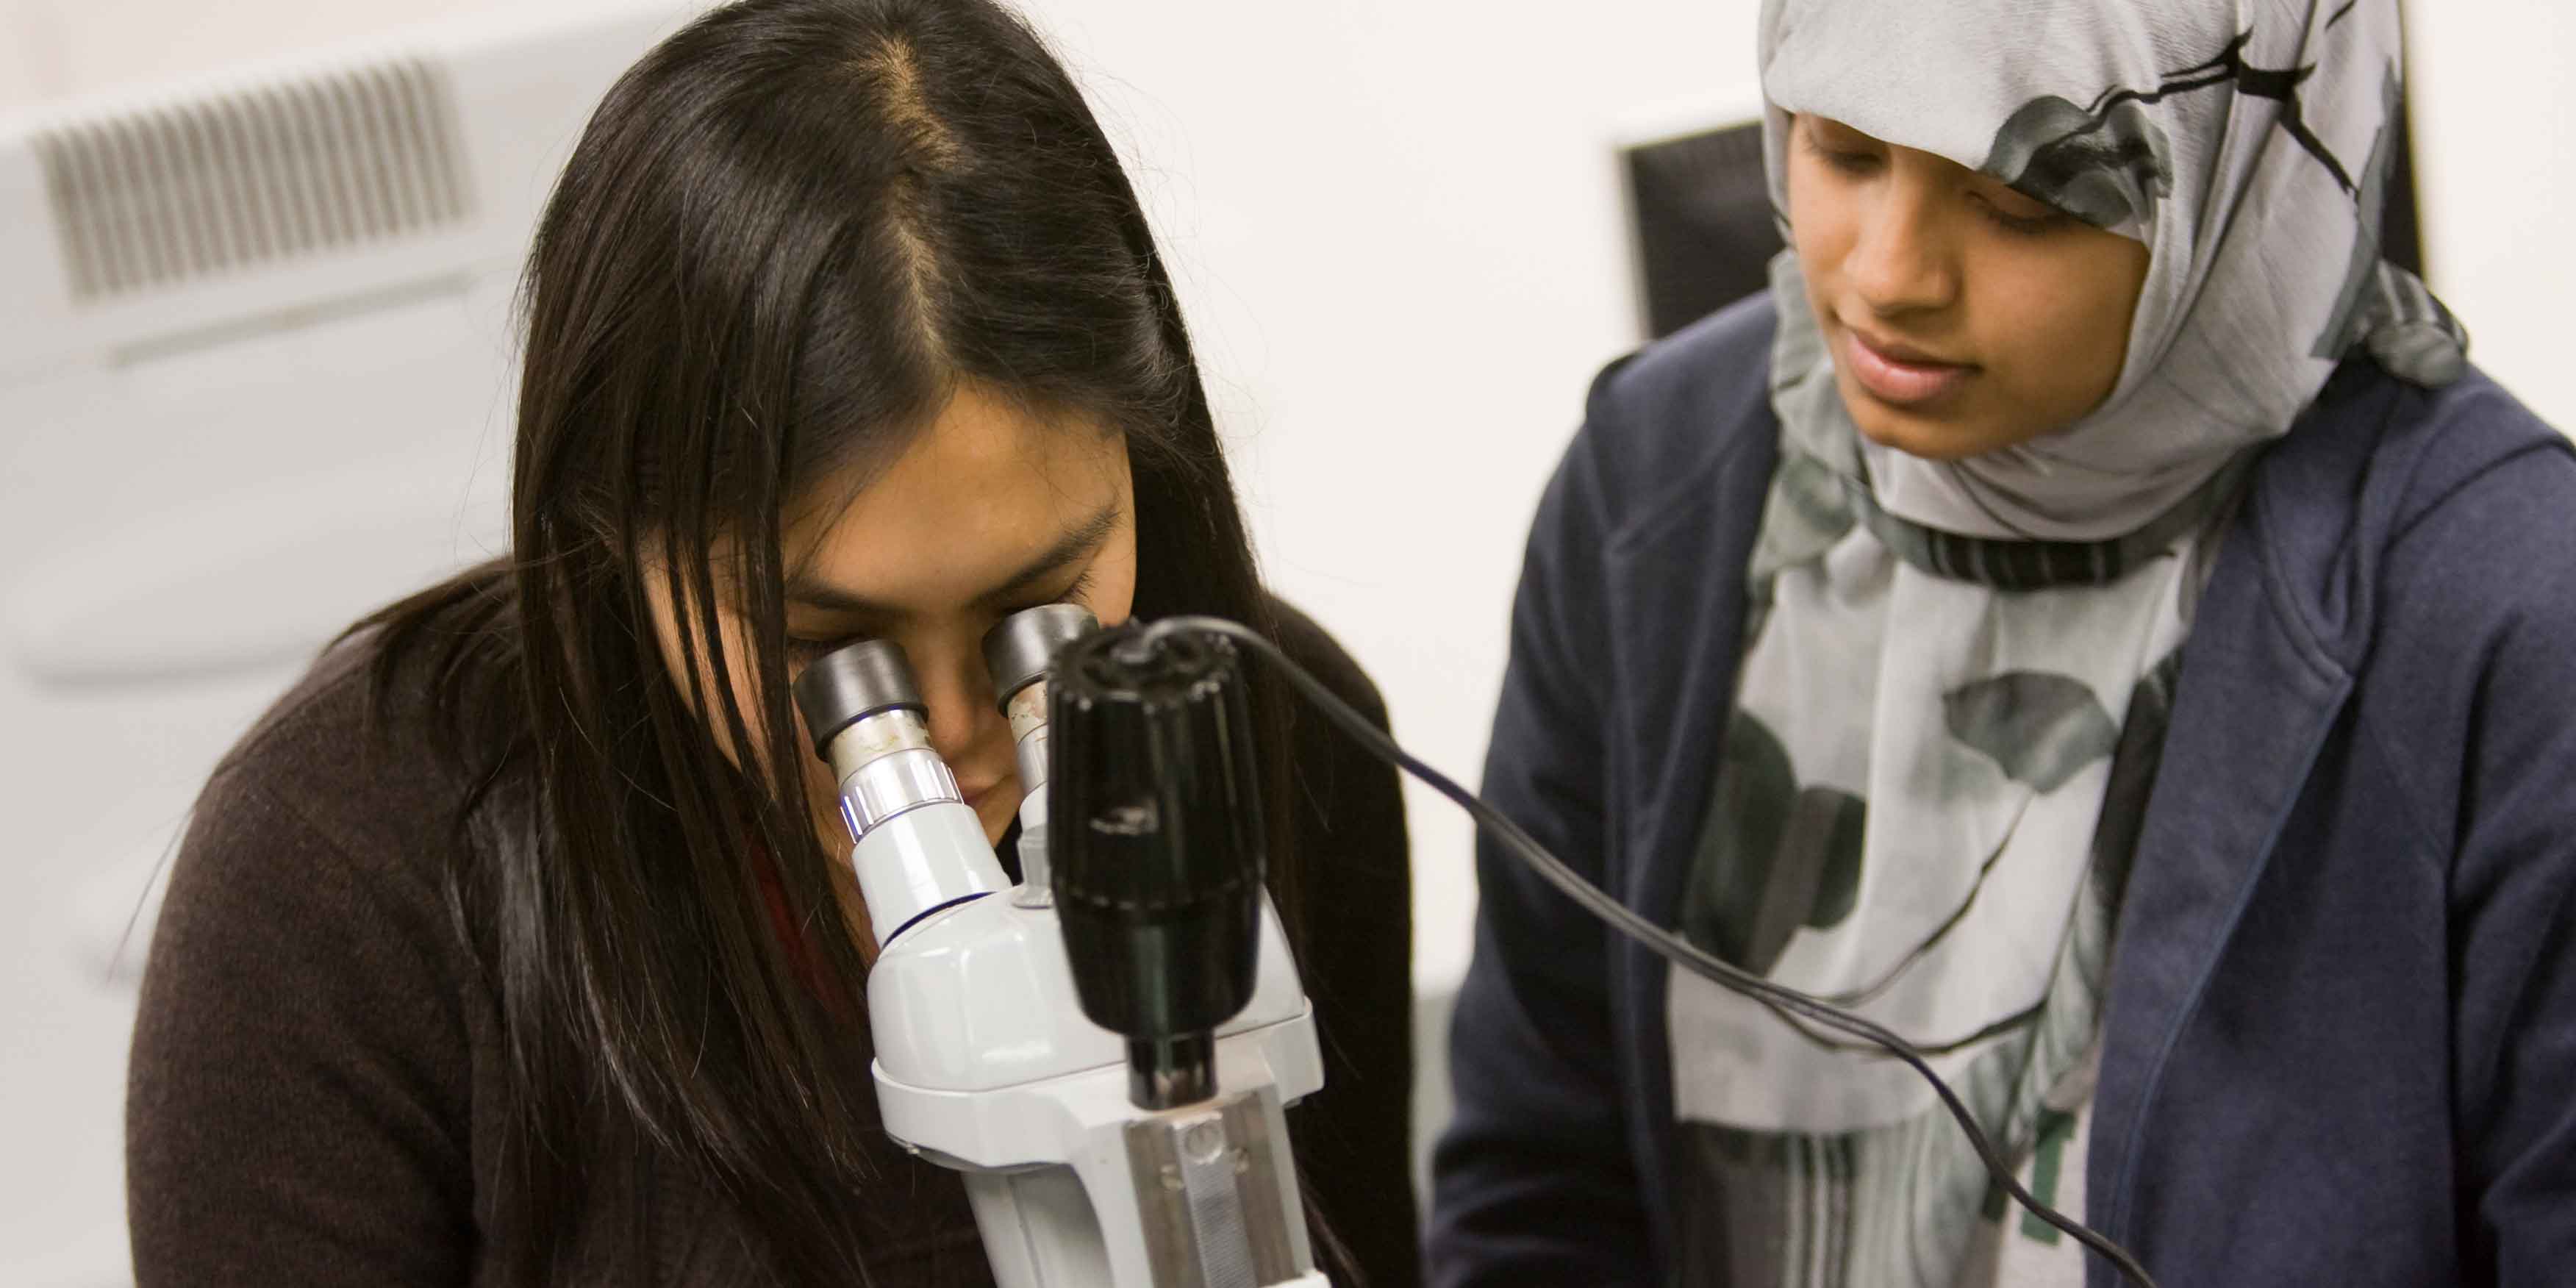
(862, 706)
(1143, 817)
(865, 712)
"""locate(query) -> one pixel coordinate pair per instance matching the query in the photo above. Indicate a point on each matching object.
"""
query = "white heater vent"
(154, 198)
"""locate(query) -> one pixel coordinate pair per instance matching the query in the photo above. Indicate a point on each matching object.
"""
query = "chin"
(1917, 436)
(1931, 438)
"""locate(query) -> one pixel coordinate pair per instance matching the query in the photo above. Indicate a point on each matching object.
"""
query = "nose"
(958, 692)
(1902, 262)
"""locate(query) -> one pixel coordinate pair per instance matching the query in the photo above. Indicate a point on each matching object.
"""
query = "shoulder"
(2469, 505)
(2454, 452)
(2497, 492)
(2425, 542)
(333, 825)
(1659, 421)
(351, 763)
(2393, 511)
(305, 970)
(2465, 681)
(1719, 364)
(2477, 575)
(1660, 488)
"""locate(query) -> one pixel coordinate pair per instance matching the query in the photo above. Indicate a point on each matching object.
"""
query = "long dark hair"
(787, 235)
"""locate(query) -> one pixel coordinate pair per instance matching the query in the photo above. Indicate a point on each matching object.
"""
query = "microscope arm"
(1120, 1121)
(986, 1064)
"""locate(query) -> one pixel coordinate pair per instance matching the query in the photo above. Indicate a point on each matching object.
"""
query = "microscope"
(1107, 1049)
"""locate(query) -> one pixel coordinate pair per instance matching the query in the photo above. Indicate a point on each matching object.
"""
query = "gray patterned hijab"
(1957, 675)
(2248, 143)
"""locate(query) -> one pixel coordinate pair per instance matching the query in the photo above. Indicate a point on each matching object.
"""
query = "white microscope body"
(985, 1063)
(985, 1060)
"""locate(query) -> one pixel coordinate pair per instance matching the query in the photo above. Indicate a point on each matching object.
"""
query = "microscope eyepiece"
(851, 683)
(1021, 647)
(915, 845)
(1020, 652)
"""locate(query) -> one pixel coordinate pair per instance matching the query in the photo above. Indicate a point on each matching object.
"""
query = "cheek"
(1820, 223)
(2059, 329)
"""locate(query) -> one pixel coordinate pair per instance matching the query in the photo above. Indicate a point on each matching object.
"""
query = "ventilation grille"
(156, 198)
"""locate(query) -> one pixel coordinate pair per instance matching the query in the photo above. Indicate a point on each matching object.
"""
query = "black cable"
(1671, 947)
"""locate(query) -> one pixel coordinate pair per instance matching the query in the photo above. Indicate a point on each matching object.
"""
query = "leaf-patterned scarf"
(1957, 676)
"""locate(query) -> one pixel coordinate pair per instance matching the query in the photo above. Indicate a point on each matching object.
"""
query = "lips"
(1899, 374)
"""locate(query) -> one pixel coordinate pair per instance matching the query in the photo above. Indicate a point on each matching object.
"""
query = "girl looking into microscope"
(515, 945)
(2088, 619)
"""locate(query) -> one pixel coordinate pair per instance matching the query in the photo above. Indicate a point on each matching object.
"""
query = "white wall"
(2495, 157)
(1396, 228)
(1397, 232)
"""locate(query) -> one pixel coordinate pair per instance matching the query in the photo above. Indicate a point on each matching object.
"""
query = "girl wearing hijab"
(2088, 618)
(518, 946)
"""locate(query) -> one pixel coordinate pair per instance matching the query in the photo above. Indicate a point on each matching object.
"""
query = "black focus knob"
(1157, 843)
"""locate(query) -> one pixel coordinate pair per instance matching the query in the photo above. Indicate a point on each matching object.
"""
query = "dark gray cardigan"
(2341, 1042)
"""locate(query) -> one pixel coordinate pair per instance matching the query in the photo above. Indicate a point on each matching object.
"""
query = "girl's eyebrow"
(1079, 540)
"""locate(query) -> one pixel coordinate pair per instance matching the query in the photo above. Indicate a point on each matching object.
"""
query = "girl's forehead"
(979, 444)
(985, 485)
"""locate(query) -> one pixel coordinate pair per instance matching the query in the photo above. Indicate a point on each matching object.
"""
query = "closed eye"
(1080, 543)
(803, 651)
(1855, 163)
(2020, 224)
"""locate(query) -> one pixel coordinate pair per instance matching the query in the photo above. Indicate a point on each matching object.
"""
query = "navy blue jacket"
(2341, 1042)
